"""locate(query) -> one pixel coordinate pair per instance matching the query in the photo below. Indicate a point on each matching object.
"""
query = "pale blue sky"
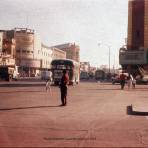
(86, 22)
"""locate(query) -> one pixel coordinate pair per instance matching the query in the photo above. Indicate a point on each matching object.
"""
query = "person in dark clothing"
(122, 80)
(63, 87)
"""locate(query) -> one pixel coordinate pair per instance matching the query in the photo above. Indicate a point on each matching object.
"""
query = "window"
(138, 33)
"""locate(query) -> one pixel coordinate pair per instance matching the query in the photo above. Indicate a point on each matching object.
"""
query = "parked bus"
(84, 75)
(73, 68)
(99, 74)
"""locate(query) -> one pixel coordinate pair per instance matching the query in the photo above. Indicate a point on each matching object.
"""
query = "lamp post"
(108, 55)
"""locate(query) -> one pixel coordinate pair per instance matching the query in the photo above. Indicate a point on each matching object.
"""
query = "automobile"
(116, 79)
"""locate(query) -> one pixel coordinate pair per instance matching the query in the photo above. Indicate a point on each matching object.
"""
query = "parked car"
(116, 79)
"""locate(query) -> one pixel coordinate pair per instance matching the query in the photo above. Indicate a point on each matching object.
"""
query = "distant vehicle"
(8, 73)
(91, 75)
(73, 68)
(116, 78)
(84, 75)
(142, 78)
(99, 75)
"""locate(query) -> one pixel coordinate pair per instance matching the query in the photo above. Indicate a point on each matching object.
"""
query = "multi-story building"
(7, 49)
(85, 66)
(1, 42)
(46, 56)
(25, 47)
(72, 50)
(135, 53)
(58, 54)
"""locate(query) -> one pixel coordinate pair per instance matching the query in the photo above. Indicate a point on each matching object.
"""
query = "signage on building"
(30, 63)
(133, 57)
(7, 61)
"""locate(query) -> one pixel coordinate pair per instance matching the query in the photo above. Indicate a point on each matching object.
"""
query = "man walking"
(122, 80)
(63, 87)
(48, 82)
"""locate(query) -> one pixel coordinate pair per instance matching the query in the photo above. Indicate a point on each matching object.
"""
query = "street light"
(108, 55)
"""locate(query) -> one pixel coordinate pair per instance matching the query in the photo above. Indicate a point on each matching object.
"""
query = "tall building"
(72, 50)
(137, 24)
(134, 55)
(25, 47)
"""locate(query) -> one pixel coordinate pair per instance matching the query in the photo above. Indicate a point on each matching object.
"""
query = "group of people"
(63, 87)
(131, 82)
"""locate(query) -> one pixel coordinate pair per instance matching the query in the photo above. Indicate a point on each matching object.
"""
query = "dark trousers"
(122, 84)
(63, 94)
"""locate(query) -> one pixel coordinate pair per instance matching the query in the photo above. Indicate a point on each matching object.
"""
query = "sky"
(94, 25)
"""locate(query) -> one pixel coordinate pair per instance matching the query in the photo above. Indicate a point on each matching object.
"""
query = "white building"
(46, 57)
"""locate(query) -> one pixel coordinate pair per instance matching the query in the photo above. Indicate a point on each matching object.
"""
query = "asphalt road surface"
(97, 115)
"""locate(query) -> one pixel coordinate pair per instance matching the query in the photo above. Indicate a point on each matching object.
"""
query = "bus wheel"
(10, 77)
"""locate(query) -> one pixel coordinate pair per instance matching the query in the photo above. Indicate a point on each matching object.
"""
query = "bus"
(84, 75)
(73, 68)
(99, 74)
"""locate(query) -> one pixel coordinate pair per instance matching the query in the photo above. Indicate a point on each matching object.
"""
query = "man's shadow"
(130, 111)
(30, 107)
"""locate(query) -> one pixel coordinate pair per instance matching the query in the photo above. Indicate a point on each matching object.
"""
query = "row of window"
(25, 51)
(44, 53)
(46, 62)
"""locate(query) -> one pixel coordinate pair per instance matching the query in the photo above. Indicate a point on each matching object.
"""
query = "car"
(116, 79)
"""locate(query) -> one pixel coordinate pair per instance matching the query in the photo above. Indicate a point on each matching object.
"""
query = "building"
(58, 54)
(25, 47)
(45, 54)
(85, 66)
(1, 41)
(72, 50)
(7, 49)
(134, 54)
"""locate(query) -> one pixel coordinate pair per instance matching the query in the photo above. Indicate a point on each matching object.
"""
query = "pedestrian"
(134, 83)
(63, 87)
(122, 80)
(48, 82)
(129, 80)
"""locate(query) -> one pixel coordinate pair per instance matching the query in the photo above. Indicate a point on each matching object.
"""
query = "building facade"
(72, 51)
(135, 53)
(25, 47)
(45, 56)
(1, 41)
(7, 49)
(58, 54)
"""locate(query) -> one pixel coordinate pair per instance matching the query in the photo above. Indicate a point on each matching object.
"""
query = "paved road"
(96, 115)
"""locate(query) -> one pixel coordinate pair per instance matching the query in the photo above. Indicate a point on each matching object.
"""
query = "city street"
(97, 114)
